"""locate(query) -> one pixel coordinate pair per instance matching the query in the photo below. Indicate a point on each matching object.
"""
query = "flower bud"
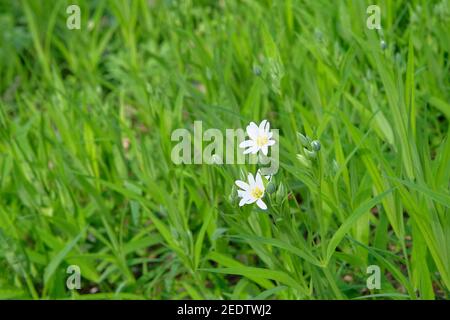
(281, 193)
(303, 160)
(257, 71)
(262, 158)
(303, 139)
(233, 196)
(315, 145)
(310, 154)
(335, 166)
(271, 187)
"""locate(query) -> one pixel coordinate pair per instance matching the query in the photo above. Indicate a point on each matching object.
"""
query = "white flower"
(251, 192)
(259, 138)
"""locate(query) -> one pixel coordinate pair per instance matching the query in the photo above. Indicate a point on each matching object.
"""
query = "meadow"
(359, 207)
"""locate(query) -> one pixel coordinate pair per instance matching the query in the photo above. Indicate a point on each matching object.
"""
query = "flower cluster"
(310, 149)
(260, 140)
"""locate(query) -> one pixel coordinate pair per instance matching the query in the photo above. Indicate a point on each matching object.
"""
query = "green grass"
(86, 176)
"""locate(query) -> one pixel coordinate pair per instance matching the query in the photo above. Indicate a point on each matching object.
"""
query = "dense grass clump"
(87, 179)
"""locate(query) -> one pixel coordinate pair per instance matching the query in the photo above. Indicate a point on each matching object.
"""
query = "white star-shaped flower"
(259, 138)
(251, 192)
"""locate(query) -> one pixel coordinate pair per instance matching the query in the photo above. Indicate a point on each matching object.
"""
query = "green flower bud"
(174, 232)
(315, 145)
(233, 196)
(303, 139)
(310, 154)
(271, 187)
(335, 166)
(263, 158)
(303, 160)
(281, 193)
(257, 70)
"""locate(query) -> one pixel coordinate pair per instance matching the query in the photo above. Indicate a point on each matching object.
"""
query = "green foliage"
(86, 177)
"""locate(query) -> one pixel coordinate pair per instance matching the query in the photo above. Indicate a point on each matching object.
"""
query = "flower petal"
(252, 130)
(241, 184)
(267, 127)
(264, 149)
(261, 204)
(270, 142)
(246, 144)
(255, 149)
(251, 180)
(242, 193)
(250, 200)
(252, 149)
(261, 127)
(259, 182)
(243, 201)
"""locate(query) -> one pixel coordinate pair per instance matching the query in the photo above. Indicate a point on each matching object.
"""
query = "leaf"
(437, 196)
(267, 293)
(302, 253)
(56, 260)
(199, 242)
(268, 274)
(345, 227)
(229, 262)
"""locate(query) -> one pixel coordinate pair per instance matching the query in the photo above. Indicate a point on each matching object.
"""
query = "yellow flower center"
(257, 193)
(261, 141)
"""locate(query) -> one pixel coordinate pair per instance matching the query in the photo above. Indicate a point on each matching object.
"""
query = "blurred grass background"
(85, 171)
